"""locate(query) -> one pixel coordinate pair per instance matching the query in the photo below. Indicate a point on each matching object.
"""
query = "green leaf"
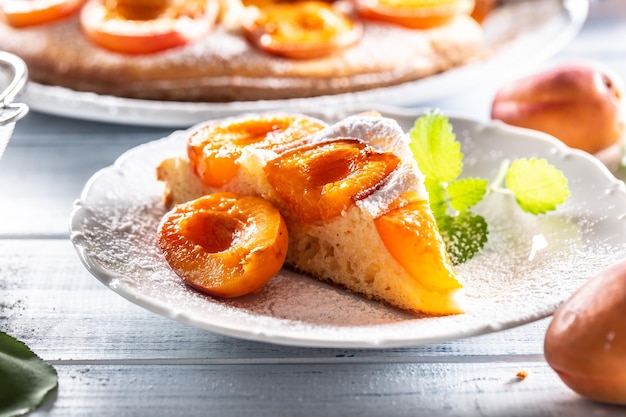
(437, 198)
(466, 193)
(25, 379)
(537, 185)
(464, 235)
(435, 148)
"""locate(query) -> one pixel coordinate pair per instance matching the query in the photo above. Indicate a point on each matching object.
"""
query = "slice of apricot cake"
(351, 195)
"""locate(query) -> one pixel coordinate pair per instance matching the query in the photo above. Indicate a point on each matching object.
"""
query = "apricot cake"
(232, 50)
(351, 194)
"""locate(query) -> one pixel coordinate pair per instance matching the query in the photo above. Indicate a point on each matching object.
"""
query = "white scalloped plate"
(521, 33)
(530, 265)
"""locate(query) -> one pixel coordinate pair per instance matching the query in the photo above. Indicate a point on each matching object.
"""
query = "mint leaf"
(25, 379)
(466, 193)
(435, 148)
(537, 185)
(464, 235)
(437, 198)
(439, 157)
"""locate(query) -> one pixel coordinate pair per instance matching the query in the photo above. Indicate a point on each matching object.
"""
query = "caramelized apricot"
(214, 149)
(482, 9)
(145, 27)
(138, 9)
(224, 244)
(415, 14)
(320, 181)
(301, 29)
(20, 13)
(153, 9)
(259, 3)
(410, 230)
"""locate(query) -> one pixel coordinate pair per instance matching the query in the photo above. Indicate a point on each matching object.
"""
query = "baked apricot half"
(409, 230)
(415, 14)
(301, 29)
(319, 181)
(214, 148)
(20, 13)
(144, 27)
(483, 9)
(224, 244)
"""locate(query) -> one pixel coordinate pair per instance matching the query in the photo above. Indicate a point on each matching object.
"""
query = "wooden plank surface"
(317, 389)
(117, 359)
(51, 159)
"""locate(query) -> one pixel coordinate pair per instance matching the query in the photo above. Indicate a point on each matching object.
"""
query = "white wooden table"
(115, 358)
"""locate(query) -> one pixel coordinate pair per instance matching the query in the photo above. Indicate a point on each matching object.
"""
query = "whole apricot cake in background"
(229, 50)
(353, 201)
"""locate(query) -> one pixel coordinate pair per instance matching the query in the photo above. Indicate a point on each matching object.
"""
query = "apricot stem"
(498, 180)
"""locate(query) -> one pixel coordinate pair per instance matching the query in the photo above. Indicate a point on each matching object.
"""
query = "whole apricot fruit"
(224, 244)
(586, 341)
(580, 104)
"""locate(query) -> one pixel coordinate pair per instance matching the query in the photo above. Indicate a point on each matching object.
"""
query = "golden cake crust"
(223, 66)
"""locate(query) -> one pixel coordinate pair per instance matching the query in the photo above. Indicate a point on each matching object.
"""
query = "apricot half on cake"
(20, 13)
(146, 26)
(301, 29)
(409, 230)
(415, 14)
(320, 181)
(213, 150)
(224, 244)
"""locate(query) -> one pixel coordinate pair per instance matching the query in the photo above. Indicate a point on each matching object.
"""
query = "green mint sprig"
(537, 186)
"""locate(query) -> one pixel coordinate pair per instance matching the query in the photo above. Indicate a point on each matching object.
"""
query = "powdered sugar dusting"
(115, 223)
(384, 135)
